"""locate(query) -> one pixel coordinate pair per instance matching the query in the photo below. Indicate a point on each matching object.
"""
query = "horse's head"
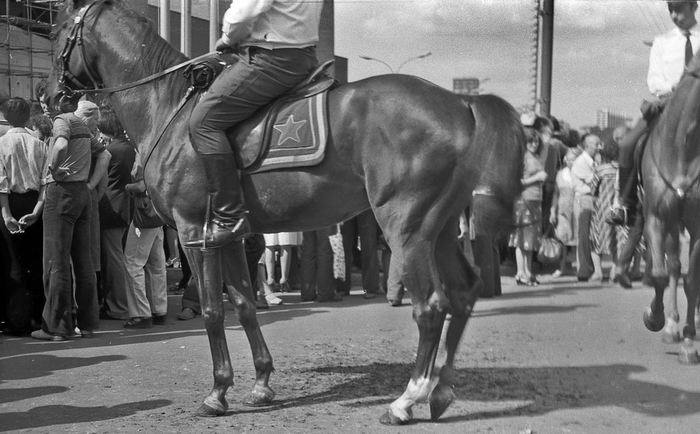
(97, 41)
(72, 69)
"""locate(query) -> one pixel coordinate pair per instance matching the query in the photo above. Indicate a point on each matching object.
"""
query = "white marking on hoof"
(688, 355)
(671, 334)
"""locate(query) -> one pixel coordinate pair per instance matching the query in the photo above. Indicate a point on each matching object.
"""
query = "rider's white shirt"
(667, 59)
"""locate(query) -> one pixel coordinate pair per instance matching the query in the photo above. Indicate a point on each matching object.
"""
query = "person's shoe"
(43, 336)
(582, 279)
(160, 319)
(622, 280)
(310, 298)
(186, 314)
(369, 295)
(273, 300)
(395, 303)
(336, 297)
(635, 276)
(284, 287)
(261, 304)
(556, 274)
(617, 216)
(87, 334)
(139, 323)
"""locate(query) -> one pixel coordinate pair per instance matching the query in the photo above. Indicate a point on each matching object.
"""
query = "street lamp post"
(401, 65)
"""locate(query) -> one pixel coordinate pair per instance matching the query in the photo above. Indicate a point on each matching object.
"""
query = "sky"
(599, 56)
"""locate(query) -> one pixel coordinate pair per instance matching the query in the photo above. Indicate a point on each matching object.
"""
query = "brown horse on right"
(671, 175)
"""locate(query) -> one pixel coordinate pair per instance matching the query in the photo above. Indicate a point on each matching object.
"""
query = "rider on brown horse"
(670, 53)
(276, 42)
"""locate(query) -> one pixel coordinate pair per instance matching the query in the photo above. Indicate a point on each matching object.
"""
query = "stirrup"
(222, 234)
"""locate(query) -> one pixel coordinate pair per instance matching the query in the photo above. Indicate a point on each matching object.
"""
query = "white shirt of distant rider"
(272, 24)
(667, 59)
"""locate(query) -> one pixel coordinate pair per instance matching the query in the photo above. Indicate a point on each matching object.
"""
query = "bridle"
(69, 84)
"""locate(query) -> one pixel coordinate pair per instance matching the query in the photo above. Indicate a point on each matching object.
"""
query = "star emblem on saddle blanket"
(289, 130)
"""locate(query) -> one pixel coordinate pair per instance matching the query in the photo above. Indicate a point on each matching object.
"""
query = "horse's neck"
(144, 109)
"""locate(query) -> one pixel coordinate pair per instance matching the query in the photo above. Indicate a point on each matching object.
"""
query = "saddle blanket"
(295, 136)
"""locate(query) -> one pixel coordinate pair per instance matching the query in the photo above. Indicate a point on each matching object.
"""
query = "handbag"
(145, 216)
(551, 248)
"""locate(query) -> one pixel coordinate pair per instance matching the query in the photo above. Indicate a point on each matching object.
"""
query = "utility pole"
(544, 74)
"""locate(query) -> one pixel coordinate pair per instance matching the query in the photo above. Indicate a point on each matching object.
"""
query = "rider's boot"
(622, 214)
(229, 216)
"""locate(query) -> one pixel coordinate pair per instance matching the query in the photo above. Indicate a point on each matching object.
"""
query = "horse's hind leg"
(241, 294)
(463, 286)
(206, 266)
(416, 260)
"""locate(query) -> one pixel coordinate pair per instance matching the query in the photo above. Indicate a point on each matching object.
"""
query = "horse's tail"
(500, 131)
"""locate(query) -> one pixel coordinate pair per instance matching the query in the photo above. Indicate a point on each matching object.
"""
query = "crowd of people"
(81, 242)
(576, 210)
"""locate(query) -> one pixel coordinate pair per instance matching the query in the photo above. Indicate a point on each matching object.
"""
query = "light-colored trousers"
(145, 263)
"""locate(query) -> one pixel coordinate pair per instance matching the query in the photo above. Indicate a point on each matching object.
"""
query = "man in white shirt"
(277, 42)
(668, 58)
(584, 180)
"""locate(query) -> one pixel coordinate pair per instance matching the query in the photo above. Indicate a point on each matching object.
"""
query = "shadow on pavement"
(53, 415)
(522, 391)
(530, 310)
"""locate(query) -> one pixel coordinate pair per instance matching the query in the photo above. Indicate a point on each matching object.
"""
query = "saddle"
(291, 131)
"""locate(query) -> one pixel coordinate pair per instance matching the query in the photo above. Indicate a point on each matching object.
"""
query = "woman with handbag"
(528, 211)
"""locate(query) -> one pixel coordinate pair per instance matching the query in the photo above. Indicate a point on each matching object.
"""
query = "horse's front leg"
(430, 305)
(671, 333)
(241, 294)
(654, 232)
(206, 265)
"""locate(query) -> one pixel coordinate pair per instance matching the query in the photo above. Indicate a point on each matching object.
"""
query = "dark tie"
(688, 48)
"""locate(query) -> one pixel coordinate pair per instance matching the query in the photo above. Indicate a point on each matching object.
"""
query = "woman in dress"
(528, 211)
(603, 234)
(562, 213)
(284, 242)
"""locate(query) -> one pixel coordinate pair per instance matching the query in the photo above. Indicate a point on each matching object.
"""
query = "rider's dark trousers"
(629, 142)
(256, 79)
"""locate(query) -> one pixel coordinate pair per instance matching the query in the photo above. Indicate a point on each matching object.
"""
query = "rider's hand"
(222, 46)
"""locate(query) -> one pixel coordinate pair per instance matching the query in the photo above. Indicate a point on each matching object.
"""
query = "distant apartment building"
(606, 118)
(466, 86)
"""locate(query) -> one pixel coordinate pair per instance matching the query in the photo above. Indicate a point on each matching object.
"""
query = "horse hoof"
(689, 332)
(688, 354)
(389, 418)
(212, 407)
(259, 397)
(440, 400)
(653, 322)
(671, 337)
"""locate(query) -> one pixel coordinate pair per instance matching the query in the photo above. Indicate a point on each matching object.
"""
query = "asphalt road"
(563, 357)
